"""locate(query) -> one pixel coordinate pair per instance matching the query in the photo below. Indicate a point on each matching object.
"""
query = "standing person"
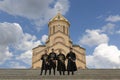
(61, 62)
(45, 64)
(52, 61)
(71, 66)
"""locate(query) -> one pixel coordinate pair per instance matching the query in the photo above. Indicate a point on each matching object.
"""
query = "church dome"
(59, 17)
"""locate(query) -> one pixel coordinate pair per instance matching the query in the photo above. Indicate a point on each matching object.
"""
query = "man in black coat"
(45, 64)
(61, 62)
(71, 66)
(52, 61)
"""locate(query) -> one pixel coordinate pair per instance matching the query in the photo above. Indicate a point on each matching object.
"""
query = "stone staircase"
(33, 74)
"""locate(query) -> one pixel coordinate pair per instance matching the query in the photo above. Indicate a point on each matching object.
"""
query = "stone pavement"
(33, 74)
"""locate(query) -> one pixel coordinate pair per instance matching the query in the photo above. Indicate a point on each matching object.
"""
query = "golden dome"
(59, 17)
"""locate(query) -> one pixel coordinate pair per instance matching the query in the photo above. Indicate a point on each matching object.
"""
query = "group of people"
(52, 60)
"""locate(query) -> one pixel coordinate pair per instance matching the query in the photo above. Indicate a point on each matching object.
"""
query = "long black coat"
(52, 60)
(61, 62)
(45, 64)
(71, 65)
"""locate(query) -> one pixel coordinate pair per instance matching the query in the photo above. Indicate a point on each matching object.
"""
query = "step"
(33, 74)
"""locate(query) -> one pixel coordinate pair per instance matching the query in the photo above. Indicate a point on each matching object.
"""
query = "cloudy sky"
(96, 24)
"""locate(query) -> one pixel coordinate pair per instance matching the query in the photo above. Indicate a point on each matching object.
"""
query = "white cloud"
(118, 32)
(5, 54)
(11, 35)
(38, 11)
(26, 8)
(16, 65)
(113, 18)
(104, 56)
(109, 28)
(26, 57)
(63, 5)
(44, 38)
(94, 37)
(27, 42)
(8, 32)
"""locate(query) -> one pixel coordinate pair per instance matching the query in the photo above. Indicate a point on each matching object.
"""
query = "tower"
(59, 31)
(59, 38)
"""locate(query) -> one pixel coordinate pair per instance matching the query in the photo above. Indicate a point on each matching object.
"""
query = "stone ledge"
(33, 74)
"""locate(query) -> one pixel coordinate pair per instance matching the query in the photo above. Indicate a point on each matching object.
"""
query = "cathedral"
(59, 38)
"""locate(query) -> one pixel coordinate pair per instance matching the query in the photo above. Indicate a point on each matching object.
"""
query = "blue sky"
(95, 25)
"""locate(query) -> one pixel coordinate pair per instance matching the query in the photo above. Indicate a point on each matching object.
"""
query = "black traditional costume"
(61, 63)
(52, 61)
(45, 64)
(71, 65)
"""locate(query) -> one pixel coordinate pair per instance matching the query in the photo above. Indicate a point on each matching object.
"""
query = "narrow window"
(67, 30)
(63, 29)
(53, 29)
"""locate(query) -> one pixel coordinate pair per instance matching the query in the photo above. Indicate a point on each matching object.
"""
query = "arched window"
(63, 29)
(59, 39)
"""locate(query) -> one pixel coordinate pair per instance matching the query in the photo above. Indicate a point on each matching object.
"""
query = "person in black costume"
(71, 65)
(61, 62)
(45, 64)
(52, 61)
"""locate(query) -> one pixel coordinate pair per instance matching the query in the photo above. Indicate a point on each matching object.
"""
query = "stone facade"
(59, 39)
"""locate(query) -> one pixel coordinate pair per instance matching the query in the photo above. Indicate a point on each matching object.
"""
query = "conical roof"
(59, 17)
